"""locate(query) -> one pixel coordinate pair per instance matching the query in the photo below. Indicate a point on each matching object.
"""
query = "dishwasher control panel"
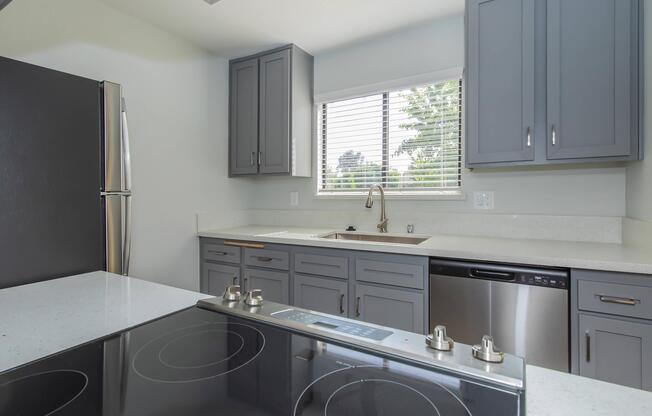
(545, 280)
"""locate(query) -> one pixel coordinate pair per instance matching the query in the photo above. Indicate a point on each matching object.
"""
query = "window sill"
(413, 196)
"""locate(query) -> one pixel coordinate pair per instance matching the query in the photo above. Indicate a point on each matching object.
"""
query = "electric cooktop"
(209, 362)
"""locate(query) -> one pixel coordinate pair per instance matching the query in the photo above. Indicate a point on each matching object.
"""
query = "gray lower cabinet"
(616, 351)
(321, 294)
(275, 285)
(216, 278)
(392, 307)
(500, 78)
(590, 82)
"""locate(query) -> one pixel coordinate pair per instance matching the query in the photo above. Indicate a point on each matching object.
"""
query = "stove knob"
(487, 351)
(232, 293)
(438, 339)
(254, 297)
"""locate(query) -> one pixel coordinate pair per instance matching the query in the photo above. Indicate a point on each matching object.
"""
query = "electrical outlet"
(483, 200)
(294, 198)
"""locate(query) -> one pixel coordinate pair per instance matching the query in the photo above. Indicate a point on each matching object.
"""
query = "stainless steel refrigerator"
(65, 175)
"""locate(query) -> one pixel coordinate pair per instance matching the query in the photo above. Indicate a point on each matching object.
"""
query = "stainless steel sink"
(377, 238)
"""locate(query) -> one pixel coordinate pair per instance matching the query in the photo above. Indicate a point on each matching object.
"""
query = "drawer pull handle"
(342, 303)
(587, 337)
(618, 301)
(357, 306)
(264, 259)
(219, 253)
(244, 244)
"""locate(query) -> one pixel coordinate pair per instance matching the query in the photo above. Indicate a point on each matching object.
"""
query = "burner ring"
(318, 397)
(183, 367)
(150, 361)
(379, 380)
(19, 401)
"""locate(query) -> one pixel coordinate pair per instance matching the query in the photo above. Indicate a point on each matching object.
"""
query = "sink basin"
(376, 238)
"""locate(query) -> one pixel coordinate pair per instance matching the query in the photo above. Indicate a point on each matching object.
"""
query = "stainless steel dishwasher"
(525, 309)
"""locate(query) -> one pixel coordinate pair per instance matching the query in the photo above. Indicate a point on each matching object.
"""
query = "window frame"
(319, 181)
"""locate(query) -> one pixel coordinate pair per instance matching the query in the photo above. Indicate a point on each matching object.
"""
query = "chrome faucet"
(382, 225)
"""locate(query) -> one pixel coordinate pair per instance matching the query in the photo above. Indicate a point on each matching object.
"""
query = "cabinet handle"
(235, 280)
(529, 137)
(554, 135)
(219, 253)
(357, 306)
(251, 160)
(264, 259)
(244, 285)
(342, 303)
(260, 158)
(618, 301)
(244, 244)
(587, 337)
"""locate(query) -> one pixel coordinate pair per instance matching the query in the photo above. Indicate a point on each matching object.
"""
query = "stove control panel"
(336, 325)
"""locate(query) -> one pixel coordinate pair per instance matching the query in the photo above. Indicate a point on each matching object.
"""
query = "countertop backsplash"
(593, 229)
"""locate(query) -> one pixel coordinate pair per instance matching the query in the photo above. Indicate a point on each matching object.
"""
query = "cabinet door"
(589, 78)
(321, 294)
(500, 81)
(616, 351)
(243, 118)
(390, 307)
(275, 285)
(217, 277)
(275, 112)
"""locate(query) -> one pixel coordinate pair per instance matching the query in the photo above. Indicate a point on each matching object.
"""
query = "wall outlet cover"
(294, 198)
(483, 200)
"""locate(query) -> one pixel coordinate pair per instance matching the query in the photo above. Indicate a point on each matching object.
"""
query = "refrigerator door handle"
(126, 160)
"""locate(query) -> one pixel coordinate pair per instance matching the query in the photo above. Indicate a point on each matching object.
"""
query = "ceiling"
(239, 27)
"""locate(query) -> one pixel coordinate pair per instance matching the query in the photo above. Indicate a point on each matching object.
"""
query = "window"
(409, 141)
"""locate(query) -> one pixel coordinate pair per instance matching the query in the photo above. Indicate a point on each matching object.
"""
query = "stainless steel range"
(246, 356)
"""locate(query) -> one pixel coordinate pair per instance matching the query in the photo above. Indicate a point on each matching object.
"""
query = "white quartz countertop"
(550, 393)
(41, 319)
(579, 255)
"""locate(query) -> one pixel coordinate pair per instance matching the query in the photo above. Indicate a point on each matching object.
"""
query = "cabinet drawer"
(322, 265)
(270, 259)
(220, 252)
(404, 271)
(616, 299)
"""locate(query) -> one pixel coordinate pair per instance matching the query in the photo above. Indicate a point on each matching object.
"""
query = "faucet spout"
(382, 225)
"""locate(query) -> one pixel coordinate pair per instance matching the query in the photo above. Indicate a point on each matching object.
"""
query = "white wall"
(592, 191)
(177, 101)
(639, 174)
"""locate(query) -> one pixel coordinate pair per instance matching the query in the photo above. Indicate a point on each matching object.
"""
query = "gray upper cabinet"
(243, 117)
(590, 51)
(500, 81)
(271, 113)
(616, 351)
(275, 112)
(553, 81)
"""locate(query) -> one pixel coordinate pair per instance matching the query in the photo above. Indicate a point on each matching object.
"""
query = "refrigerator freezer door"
(51, 218)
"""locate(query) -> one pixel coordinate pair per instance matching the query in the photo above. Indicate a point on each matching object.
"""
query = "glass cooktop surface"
(199, 362)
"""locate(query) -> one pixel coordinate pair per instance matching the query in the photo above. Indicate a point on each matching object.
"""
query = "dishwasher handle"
(492, 274)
